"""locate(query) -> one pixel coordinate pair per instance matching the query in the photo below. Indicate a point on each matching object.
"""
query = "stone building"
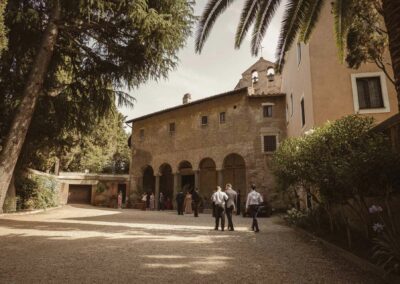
(225, 138)
(230, 137)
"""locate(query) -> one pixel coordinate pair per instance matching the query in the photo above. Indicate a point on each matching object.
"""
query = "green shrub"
(36, 192)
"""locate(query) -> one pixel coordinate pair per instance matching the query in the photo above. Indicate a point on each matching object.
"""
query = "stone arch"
(187, 175)
(166, 180)
(254, 76)
(234, 172)
(148, 181)
(208, 179)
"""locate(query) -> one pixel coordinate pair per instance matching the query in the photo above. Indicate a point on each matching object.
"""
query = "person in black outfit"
(180, 198)
(195, 202)
(238, 203)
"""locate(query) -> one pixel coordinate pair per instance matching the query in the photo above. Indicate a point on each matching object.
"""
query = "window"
(298, 53)
(303, 113)
(267, 111)
(141, 134)
(254, 76)
(370, 93)
(269, 143)
(222, 117)
(172, 128)
(204, 120)
(270, 74)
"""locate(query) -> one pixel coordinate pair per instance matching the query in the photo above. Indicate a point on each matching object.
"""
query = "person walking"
(162, 202)
(230, 204)
(180, 198)
(188, 203)
(152, 199)
(219, 198)
(254, 199)
(119, 200)
(195, 202)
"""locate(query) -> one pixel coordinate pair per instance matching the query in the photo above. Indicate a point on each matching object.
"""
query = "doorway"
(187, 182)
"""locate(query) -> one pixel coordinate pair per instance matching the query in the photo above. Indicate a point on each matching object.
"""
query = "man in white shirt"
(254, 199)
(219, 198)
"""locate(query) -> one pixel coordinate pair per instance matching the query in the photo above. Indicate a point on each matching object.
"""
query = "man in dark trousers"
(230, 204)
(219, 198)
(238, 207)
(180, 198)
(254, 200)
(195, 202)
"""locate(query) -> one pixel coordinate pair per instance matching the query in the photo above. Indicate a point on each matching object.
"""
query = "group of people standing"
(224, 203)
(188, 203)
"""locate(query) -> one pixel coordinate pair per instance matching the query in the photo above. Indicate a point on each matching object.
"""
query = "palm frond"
(311, 18)
(293, 20)
(341, 13)
(265, 13)
(213, 9)
(247, 18)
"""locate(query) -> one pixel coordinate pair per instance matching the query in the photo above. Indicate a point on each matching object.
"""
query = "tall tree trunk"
(391, 13)
(19, 127)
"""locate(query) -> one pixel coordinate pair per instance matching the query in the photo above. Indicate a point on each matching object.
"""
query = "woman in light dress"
(152, 199)
(188, 203)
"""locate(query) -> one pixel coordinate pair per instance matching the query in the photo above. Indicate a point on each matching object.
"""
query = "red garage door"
(79, 193)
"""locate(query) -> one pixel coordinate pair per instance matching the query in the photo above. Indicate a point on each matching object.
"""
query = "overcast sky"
(216, 70)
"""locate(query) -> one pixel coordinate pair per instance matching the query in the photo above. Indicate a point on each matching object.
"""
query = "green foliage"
(341, 160)
(36, 191)
(386, 250)
(296, 217)
(102, 48)
(103, 150)
(3, 31)
(101, 187)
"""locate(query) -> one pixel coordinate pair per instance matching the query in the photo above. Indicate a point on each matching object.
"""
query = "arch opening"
(234, 172)
(208, 180)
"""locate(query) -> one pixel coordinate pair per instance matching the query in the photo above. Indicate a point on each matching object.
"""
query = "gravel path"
(77, 244)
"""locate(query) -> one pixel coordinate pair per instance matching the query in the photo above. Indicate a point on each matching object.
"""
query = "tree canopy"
(75, 57)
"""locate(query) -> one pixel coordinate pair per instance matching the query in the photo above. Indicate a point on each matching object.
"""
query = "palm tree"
(300, 18)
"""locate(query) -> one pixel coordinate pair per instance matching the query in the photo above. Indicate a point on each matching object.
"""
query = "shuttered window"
(269, 143)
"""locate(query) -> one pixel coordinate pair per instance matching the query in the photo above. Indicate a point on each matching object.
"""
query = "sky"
(216, 70)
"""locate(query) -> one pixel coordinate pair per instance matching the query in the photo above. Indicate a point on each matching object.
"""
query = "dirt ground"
(84, 244)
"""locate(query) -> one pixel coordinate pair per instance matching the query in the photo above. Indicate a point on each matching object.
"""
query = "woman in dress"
(188, 203)
(152, 199)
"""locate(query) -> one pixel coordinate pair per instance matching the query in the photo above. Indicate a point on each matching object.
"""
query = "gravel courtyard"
(77, 244)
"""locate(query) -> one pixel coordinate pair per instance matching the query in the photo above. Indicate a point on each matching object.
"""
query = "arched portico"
(207, 177)
(234, 172)
(187, 175)
(166, 180)
(149, 181)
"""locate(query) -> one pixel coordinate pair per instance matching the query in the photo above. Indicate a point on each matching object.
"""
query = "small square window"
(267, 111)
(172, 127)
(369, 92)
(141, 134)
(269, 142)
(204, 120)
(222, 117)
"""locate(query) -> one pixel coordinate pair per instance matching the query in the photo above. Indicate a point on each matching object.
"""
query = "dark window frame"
(141, 134)
(270, 146)
(172, 127)
(364, 82)
(204, 120)
(267, 111)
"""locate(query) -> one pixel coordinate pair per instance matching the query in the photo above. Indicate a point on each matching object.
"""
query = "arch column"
(196, 179)
(176, 188)
(220, 178)
(157, 193)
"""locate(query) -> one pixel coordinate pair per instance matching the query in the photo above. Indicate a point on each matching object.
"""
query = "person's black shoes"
(256, 231)
(231, 229)
(216, 229)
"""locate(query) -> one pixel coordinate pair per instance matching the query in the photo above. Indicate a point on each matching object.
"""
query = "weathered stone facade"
(177, 148)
